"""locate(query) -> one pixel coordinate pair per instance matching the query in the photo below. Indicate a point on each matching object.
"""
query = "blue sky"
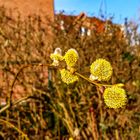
(119, 8)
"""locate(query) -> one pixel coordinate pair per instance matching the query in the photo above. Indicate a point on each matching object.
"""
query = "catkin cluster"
(101, 71)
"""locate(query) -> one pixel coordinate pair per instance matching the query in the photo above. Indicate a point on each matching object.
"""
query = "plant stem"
(18, 130)
(95, 83)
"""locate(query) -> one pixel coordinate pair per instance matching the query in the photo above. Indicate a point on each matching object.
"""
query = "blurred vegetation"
(51, 109)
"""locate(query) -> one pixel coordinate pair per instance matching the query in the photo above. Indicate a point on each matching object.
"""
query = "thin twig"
(13, 83)
(96, 83)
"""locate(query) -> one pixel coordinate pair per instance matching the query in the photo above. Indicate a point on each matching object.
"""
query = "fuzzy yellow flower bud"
(101, 69)
(71, 138)
(71, 57)
(115, 97)
(67, 77)
(56, 57)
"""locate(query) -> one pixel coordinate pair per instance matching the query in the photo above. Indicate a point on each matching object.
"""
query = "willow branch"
(14, 103)
(16, 77)
(10, 103)
(96, 83)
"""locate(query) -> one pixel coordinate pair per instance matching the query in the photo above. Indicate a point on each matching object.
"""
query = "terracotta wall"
(27, 7)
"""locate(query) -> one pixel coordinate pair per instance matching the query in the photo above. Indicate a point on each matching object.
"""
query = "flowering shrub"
(101, 70)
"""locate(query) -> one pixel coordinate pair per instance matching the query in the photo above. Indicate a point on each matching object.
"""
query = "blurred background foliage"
(56, 110)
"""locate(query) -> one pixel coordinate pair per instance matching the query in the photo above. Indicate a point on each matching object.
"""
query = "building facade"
(29, 7)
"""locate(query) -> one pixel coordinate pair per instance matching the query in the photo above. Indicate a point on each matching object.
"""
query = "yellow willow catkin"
(114, 97)
(67, 77)
(101, 69)
(56, 57)
(71, 57)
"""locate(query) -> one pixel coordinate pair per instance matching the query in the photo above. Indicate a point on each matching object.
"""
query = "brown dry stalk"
(17, 129)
